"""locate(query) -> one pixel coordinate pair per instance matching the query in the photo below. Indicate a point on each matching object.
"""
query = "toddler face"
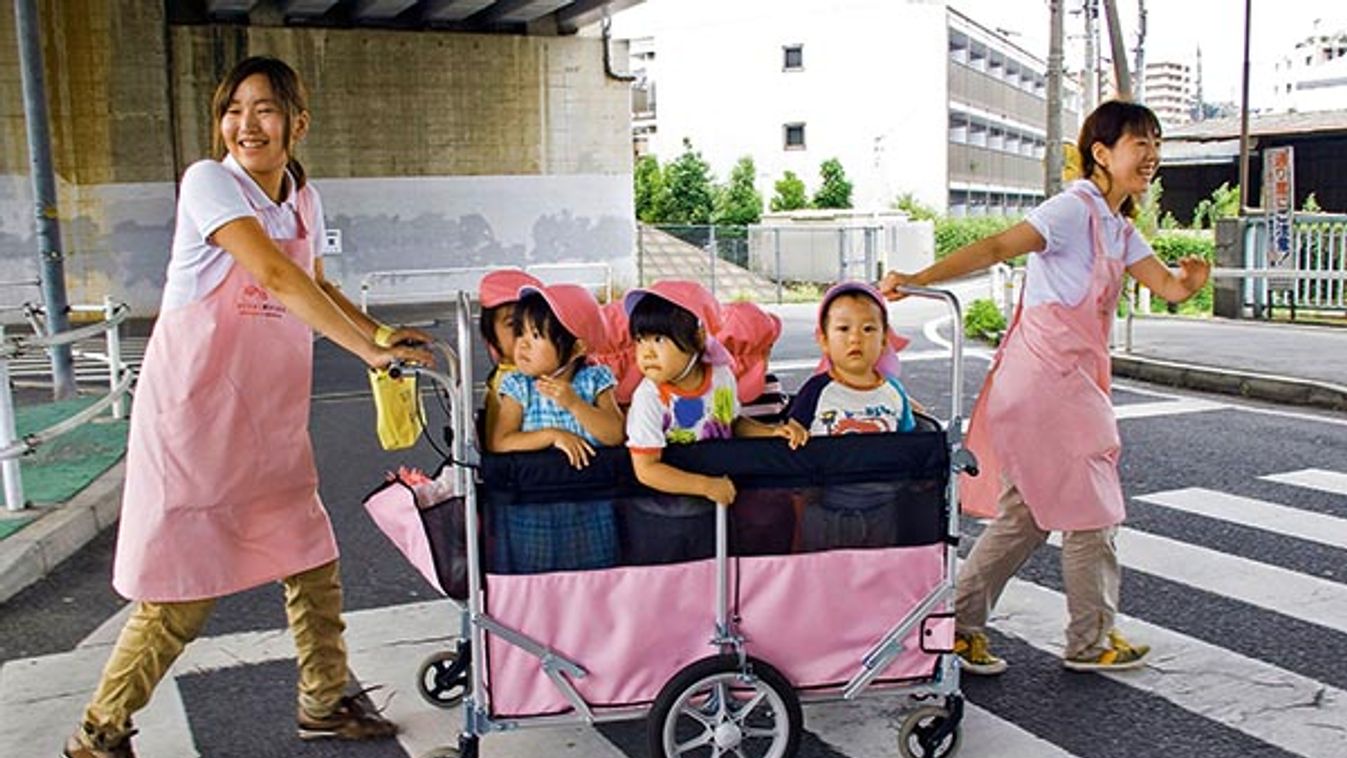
(534, 354)
(854, 336)
(502, 322)
(660, 358)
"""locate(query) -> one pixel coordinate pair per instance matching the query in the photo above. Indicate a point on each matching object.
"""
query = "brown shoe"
(354, 718)
(75, 747)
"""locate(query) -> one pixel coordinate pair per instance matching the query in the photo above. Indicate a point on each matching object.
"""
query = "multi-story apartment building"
(997, 104)
(911, 97)
(1313, 77)
(1170, 91)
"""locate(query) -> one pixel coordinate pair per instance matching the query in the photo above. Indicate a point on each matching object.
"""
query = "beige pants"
(156, 634)
(1089, 572)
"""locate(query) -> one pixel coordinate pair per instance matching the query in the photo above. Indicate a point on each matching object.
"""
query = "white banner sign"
(1279, 189)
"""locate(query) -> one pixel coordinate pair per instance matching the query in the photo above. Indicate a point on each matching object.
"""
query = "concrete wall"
(872, 91)
(431, 149)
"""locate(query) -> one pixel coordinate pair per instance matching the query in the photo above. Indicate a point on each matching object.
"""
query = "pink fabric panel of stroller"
(394, 511)
(632, 628)
(812, 616)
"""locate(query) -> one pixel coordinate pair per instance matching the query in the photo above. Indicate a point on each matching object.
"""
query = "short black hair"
(533, 310)
(487, 326)
(655, 316)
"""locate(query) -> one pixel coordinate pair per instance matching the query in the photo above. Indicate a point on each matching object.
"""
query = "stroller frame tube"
(476, 623)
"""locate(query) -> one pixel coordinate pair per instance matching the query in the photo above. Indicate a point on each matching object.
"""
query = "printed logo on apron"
(254, 301)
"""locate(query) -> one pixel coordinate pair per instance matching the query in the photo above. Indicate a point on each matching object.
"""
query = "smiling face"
(257, 131)
(661, 359)
(1130, 163)
(853, 337)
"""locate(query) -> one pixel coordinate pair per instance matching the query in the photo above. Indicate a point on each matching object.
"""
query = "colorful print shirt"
(662, 415)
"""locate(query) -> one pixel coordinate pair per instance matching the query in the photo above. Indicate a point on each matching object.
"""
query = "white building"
(1170, 91)
(1313, 77)
(909, 95)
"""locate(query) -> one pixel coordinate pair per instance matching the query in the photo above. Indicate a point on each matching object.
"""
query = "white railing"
(429, 285)
(1310, 278)
(12, 346)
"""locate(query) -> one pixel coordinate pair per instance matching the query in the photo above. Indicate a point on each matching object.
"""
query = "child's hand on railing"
(577, 451)
(795, 434)
(719, 490)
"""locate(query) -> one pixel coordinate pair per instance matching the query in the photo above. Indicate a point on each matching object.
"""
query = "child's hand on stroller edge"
(794, 434)
(577, 451)
(720, 490)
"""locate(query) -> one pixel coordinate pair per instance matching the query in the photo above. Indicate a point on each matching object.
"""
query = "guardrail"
(119, 381)
(465, 278)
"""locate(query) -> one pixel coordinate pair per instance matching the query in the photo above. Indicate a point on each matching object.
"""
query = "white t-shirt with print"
(211, 196)
(661, 415)
(1060, 272)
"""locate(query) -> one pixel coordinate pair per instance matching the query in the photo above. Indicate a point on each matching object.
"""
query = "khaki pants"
(156, 634)
(1090, 574)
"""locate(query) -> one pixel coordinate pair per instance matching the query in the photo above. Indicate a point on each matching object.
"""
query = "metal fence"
(762, 262)
(1314, 278)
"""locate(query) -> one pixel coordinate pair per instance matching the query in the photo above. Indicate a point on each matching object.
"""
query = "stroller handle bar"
(956, 343)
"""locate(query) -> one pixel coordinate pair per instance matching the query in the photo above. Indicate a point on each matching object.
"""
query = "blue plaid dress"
(532, 539)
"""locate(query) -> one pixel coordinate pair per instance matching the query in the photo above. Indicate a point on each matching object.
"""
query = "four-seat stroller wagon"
(831, 575)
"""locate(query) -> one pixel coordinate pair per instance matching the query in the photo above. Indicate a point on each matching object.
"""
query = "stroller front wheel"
(926, 734)
(443, 678)
(715, 703)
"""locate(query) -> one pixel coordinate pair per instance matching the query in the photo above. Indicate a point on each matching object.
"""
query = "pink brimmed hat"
(749, 332)
(502, 286)
(693, 298)
(888, 360)
(576, 309)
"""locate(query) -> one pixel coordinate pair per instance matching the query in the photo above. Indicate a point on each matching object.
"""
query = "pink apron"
(221, 490)
(1043, 420)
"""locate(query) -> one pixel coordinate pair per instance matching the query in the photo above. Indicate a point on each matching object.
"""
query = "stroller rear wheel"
(715, 706)
(930, 732)
(443, 678)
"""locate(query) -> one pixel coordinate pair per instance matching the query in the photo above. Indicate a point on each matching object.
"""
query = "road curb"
(1250, 384)
(30, 554)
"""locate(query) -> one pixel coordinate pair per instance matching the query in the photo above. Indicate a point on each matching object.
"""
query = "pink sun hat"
(502, 286)
(693, 298)
(888, 359)
(748, 333)
(576, 309)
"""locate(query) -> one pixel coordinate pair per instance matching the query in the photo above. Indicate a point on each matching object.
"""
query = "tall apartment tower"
(1170, 92)
(1313, 77)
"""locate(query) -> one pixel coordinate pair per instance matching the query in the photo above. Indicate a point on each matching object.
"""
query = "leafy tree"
(790, 193)
(914, 208)
(1223, 203)
(689, 188)
(739, 203)
(650, 190)
(1148, 212)
(836, 189)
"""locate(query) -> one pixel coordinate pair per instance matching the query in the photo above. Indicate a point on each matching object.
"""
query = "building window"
(792, 58)
(794, 136)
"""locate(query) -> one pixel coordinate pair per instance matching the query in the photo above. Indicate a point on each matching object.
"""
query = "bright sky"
(1174, 30)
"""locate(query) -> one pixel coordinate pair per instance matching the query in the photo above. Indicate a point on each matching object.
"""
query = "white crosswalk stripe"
(1313, 478)
(1270, 517)
(1257, 700)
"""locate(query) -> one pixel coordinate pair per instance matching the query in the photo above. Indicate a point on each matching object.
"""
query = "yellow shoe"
(975, 655)
(1121, 656)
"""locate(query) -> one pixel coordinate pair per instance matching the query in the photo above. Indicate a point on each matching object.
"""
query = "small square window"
(794, 136)
(792, 58)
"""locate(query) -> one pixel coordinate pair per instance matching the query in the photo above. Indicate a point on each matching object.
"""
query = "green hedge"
(984, 321)
(1171, 246)
(953, 233)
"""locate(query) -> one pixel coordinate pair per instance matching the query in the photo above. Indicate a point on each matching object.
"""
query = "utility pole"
(44, 194)
(1122, 81)
(1052, 180)
(1090, 74)
(1244, 119)
(1140, 69)
(1199, 111)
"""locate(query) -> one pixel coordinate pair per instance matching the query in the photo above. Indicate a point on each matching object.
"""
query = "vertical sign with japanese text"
(1279, 189)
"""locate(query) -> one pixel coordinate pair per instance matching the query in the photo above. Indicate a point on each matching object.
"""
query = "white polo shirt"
(212, 195)
(1060, 272)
